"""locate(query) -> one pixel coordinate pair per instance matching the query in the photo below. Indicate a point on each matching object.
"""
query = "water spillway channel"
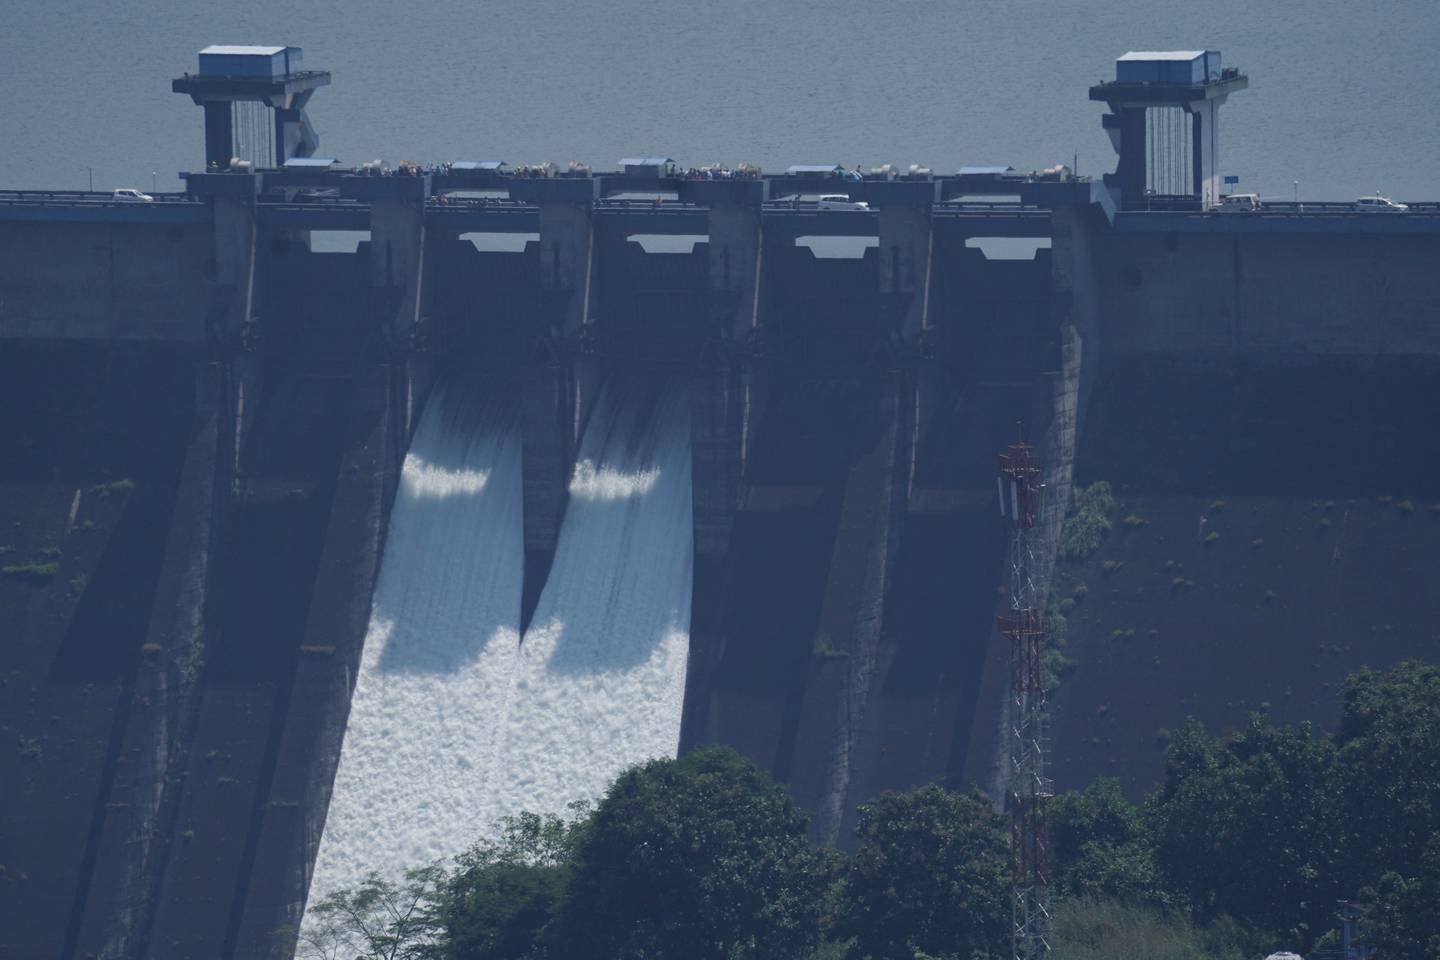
(456, 722)
(600, 678)
(429, 700)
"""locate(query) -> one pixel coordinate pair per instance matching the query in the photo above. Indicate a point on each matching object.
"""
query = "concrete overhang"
(968, 222)
(1234, 223)
(221, 184)
(821, 223)
(737, 191)
(554, 189)
(140, 213)
(318, 216)
(291, 177)
(689, 221)
(1119, 95)
(920, 193)
(276, 91)
(355, 187)
(483, 219)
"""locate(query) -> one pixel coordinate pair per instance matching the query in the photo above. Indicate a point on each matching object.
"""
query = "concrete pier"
(566, 242)
(735, 266)
(547, 451)
(905, 255)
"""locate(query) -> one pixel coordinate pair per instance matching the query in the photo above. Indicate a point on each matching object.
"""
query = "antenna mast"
(1024, 626)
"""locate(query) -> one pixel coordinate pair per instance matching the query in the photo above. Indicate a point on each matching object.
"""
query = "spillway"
(600, 678)
(434, 680)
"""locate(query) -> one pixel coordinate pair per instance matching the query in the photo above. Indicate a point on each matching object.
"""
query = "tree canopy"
(931, 876)
(701, 857)
(1271, 827)
(1245, 847)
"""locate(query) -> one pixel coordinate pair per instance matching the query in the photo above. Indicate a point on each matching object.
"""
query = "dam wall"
(1236, 294)
(845, 413)
(105, 281)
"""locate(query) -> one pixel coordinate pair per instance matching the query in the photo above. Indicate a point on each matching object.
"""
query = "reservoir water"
(1341, 96)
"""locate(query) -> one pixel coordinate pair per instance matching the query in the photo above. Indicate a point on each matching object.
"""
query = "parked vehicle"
(1379, 204)
(839, 201)
(1239, 203)
(131, 195)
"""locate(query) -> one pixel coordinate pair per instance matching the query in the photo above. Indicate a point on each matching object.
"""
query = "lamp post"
(91, 171)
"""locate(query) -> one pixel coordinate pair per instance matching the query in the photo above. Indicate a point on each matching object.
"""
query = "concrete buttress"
(735, 263)
(233, 329)
(138, 810)
(307, 742)
(566, 255)
(843, 672)
(398, 288)
(905, 258)
(547, 445)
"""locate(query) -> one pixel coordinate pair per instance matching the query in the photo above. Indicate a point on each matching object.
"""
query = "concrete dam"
(653, 458)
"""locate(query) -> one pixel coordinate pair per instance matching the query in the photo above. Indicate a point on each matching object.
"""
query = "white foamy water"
(435, 676)
(600, 681)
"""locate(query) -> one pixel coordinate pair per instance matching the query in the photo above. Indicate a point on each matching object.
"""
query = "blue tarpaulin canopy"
(311, 162)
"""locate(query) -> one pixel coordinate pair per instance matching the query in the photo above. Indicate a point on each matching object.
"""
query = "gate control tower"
(1164, 123)
(271, 77)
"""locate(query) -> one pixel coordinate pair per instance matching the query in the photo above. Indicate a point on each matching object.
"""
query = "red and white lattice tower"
(1023, 625)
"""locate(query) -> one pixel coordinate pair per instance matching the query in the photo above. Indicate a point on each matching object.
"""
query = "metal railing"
(1170, 206)
(84, 198)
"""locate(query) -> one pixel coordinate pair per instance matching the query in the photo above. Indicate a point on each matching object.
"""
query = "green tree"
(1389, 806)
(698, 858)
(1402, 914)
(931, 877)
(1100, 847)
(1389, 767)
(1245, 827)
(376, 920)
(501, 895)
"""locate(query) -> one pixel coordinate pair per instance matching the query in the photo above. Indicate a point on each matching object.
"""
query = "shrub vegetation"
(1087, 522)
(1243, 849)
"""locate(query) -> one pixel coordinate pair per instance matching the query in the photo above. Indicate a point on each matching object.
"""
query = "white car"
(131, 195)
(1239, 203)
(839, 201)
(1379, 204)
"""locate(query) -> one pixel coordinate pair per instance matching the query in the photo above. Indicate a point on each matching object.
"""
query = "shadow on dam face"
(779, 564)
(277, 530)
(91, 442)
(1318, 426)
(273, 554)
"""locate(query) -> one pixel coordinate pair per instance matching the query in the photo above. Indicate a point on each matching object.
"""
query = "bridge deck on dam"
(1004, 208)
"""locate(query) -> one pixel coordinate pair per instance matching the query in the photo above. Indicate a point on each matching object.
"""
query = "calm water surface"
(1344, 96)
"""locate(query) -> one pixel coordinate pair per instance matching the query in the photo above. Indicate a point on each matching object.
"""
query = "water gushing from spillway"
(435, 677)
(600, 679)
